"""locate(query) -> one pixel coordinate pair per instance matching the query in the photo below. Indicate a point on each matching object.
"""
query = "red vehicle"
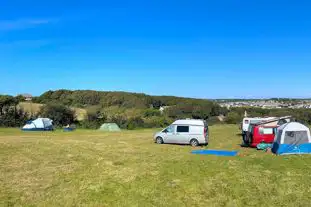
(260, 134)
(263, 132)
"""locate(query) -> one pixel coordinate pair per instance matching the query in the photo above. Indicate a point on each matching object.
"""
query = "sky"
(190, 48)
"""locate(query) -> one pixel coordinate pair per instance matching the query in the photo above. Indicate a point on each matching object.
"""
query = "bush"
(214, 120)
(152, 112)
(157, 122)
(10, 116)
(135, 122)
(196, 110)
(94, 119)
(121, 121)
(60, 114)
(86, 124)
(233, 118)
(13, 118)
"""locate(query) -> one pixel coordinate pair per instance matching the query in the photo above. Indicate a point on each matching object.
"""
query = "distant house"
(27, 97)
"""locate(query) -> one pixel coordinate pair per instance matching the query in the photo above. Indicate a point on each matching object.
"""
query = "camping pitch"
(110, 127)
(292, 138)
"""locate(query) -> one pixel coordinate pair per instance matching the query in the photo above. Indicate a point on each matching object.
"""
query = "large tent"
(292, 138)
(111, 127)
(40, 124)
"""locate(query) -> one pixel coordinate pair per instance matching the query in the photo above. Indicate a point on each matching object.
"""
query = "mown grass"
(92, 168)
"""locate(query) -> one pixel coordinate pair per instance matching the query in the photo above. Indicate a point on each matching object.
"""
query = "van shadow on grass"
(184, 145)
(243, 145)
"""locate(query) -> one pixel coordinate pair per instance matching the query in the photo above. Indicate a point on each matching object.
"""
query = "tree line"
(128, 110)
(85, 98)
(235, 115)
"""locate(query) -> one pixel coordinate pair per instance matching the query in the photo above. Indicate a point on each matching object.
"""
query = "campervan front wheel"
(159, 140)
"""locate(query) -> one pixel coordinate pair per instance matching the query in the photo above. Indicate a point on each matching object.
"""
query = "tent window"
(296, 137)
(301, 137)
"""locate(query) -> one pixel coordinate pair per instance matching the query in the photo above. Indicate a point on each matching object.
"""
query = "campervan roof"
(189, 122)
(277, 120)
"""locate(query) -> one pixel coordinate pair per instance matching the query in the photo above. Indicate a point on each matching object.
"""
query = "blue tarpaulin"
(215, 152)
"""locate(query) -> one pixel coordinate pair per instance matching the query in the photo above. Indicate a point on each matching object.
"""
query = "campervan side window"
(182, 129)
(266, 130)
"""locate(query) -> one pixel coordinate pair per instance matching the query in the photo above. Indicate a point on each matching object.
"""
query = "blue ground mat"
(215, 152)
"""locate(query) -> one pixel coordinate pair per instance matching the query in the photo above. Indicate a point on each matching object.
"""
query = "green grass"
(92, 168)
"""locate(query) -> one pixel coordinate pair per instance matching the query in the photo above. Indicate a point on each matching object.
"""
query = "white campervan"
(186, 131)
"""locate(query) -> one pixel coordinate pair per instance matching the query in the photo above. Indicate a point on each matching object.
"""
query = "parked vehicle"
(247, 121)
(264, 132)
(186, 131)
(260, 134)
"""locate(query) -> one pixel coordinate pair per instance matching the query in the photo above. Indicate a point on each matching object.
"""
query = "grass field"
(91, 168)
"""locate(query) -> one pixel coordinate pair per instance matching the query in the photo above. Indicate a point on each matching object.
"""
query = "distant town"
(267, 104)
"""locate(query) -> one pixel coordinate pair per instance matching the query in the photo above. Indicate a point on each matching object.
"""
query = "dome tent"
(292, 138)
(40, 124)
(110, 127)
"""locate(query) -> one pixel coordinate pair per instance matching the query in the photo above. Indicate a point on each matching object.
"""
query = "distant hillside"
(85, 98)
(34, 108)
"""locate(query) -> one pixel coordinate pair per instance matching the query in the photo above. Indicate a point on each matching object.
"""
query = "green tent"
(110, 127)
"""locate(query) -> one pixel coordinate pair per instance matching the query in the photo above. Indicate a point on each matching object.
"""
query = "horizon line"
(150, 94)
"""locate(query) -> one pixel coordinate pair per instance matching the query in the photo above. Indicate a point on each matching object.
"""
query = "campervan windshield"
(169, 129)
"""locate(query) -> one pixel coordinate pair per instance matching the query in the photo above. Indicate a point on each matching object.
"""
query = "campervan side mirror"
(165, 131)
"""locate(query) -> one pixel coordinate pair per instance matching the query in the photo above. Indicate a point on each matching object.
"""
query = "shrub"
(157, 122)
(60, 114)
(233, 118)
(13, 118)
(214, 120)
(196, 110)
(121, 121)
(152, 112)
(94, 118)
(10, 116)
(135, 122)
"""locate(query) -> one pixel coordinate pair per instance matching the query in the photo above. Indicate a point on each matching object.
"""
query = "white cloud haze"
(8, 25)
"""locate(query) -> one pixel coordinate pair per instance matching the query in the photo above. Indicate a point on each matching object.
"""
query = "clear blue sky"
(194, 48)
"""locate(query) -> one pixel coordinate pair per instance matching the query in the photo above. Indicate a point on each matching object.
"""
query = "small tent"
(110, 127)
(40, 124)
(292, 138)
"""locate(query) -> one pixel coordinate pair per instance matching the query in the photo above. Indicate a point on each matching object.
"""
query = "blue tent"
(292, 138)
(40, 124)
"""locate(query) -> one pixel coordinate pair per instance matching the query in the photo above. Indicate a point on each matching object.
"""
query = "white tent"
(40, 124)
(292, 138)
